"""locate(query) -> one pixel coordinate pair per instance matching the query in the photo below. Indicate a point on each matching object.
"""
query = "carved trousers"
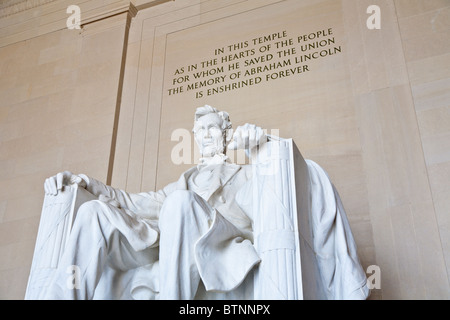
(184, 218)
(95, 242)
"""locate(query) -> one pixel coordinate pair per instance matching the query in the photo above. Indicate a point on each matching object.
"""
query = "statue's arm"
(144, 203)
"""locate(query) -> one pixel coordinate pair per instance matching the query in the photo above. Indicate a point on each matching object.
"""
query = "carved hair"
(203, 111)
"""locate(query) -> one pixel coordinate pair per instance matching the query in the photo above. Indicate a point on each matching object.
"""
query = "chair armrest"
(58, 214)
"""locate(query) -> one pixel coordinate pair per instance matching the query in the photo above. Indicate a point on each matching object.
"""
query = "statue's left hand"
(247, 137)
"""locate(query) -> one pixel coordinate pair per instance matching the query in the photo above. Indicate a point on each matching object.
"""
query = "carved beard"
(219, 148)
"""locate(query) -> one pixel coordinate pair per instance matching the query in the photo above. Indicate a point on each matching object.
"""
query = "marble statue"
(197, 235)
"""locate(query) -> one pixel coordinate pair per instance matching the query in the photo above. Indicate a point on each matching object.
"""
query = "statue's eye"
(214, 129)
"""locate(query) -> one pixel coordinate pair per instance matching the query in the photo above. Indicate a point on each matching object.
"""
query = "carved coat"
(229, 244)
(229, 239)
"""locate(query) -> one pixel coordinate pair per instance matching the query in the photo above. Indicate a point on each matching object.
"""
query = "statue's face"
(209, 135)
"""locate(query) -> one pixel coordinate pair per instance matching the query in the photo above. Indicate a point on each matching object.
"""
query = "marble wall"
(370, 106)
(58, 99)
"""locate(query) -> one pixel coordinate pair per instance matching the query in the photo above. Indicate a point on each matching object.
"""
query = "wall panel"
(354, 112)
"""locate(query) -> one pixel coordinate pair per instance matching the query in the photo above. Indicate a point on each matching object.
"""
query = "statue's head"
(212, 131)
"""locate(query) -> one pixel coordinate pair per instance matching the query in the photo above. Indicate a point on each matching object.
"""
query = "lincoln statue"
(194, 234)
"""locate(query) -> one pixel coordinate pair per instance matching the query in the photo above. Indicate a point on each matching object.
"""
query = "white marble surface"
(222, 230)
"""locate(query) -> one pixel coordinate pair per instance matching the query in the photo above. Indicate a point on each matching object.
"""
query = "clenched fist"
(247, 137)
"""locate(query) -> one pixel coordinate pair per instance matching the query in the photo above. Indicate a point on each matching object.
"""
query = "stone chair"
(301, 234)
